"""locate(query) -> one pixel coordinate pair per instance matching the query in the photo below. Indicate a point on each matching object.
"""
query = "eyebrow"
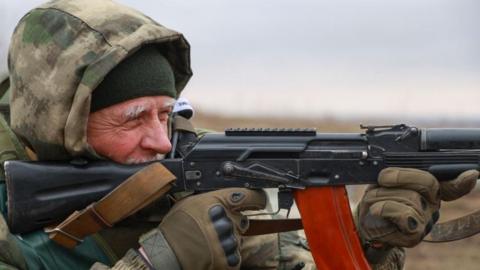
(168, 103)
(136, 110)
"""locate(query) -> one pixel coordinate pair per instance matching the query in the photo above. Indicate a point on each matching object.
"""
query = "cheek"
(116, 145)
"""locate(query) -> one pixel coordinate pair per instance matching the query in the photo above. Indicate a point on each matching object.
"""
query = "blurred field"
(462, 254)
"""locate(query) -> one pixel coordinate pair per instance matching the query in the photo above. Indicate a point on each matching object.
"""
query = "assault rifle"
(304, 165)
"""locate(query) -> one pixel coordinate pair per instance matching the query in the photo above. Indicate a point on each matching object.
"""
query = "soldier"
(97, 80)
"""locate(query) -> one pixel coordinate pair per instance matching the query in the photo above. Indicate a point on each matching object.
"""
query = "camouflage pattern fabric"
(283, 251)
(394, 260)
(60, 52)
(131, 261)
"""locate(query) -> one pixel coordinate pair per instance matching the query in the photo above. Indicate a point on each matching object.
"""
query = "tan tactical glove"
(204, 230)
(402, 209)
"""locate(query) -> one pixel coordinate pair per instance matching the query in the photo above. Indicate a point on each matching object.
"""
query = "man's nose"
(156, 138)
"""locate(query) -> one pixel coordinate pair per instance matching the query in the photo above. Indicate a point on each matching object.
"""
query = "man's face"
(133, 131)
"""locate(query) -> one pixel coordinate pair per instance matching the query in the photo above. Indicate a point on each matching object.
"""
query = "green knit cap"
(144, 73)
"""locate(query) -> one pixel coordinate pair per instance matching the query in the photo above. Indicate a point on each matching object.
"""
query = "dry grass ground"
(459, 255)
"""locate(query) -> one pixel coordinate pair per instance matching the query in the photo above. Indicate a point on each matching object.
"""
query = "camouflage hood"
(60, 52)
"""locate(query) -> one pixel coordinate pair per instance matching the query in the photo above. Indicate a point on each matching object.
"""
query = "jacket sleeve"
(388, 259)
(156, 254)
(393, 260)
(131, 261)
(7, 267)
(10, 255)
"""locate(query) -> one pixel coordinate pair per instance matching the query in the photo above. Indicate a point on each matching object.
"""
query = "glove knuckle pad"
(412, 223)
(223, 226)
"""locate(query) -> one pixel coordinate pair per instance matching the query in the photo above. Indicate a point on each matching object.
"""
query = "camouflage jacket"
(33, 250)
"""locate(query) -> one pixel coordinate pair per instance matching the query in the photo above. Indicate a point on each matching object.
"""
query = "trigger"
(285, 200)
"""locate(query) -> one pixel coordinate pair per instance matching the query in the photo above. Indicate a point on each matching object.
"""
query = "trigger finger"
(240, 199)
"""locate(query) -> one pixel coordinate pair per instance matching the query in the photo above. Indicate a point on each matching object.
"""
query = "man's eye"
(133, 120)
(164, 116)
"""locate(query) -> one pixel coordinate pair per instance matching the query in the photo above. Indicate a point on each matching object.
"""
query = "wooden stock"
(329, 227)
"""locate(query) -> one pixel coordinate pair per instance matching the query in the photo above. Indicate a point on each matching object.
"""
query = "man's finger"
(240, 199)
(462, 185)
(405, 218)
(420, 181)
(404, 196)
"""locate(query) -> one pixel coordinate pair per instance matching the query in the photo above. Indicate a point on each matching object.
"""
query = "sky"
(317, 58)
